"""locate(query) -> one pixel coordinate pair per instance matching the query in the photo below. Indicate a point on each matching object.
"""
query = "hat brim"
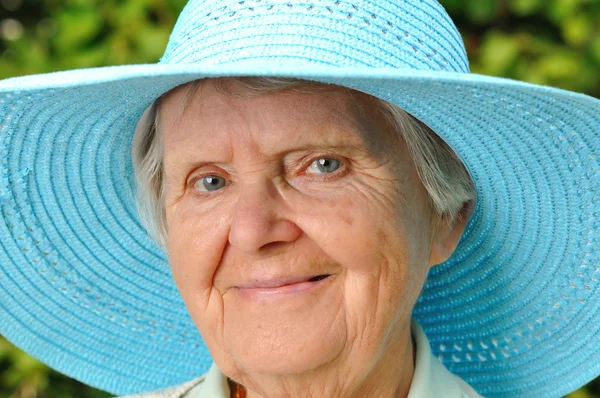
(514, 311)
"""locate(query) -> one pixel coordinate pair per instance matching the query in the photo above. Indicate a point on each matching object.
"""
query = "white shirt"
(431, 379)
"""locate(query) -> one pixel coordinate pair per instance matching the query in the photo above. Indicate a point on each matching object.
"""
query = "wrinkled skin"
(367, 225)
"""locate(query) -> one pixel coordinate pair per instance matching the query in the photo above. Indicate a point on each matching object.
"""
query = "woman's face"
(299, 233)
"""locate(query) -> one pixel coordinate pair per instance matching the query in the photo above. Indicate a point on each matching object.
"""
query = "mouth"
(279, 286)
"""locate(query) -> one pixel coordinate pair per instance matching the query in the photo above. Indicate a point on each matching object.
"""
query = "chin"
(289, 334)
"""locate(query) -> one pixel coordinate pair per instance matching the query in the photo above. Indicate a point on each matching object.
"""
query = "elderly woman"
(321, 231)
(329, 197)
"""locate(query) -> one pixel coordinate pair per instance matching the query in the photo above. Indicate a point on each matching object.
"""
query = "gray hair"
(442, 173)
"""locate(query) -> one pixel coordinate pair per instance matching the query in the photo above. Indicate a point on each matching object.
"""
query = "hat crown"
(407, 34)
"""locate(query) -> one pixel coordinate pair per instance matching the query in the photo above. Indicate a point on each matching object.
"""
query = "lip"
(281, 286)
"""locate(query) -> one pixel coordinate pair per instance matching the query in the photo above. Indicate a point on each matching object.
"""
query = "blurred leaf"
(580, 394)
(498, 53)
(560, 10)
(129, 13)
(5, 348)
(81, 3)
(595, 48)
(560, 65)
(152, 41)
(76, 28)
(577, 30)
(526, 7)
(454, 5)
(481, 11)
(87, 58)
(177, 5)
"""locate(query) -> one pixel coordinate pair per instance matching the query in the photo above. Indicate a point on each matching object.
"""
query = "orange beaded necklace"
(237, 390)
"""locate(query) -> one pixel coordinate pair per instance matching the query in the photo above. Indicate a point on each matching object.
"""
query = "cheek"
(368, 232)
(196, 242)
(358, 227)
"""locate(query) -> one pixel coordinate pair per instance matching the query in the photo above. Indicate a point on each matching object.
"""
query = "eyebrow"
(349, 148)
(193, 163)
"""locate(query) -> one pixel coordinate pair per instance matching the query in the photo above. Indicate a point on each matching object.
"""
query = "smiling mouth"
(280, 281)
(282, 286)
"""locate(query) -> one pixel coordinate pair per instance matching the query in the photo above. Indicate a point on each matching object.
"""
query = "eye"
(323, 166)
(210, 183)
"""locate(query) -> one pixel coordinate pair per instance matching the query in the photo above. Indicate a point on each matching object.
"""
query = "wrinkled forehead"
(303, 111)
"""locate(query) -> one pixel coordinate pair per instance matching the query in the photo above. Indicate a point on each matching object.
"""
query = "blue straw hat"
(514, 312)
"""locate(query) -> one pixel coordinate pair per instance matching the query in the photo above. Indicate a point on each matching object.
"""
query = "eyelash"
(323, 177)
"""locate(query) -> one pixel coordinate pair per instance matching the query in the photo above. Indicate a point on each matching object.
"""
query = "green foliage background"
(551, 42)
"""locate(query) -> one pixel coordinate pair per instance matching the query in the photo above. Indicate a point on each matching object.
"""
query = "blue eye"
(209, 183)
(323, 166)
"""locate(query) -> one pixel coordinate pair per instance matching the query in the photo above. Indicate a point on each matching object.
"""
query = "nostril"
(318, 278)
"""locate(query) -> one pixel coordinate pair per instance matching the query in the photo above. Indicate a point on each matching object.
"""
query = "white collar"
(431, 378)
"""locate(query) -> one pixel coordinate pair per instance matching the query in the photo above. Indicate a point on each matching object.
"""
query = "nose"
(260, 220)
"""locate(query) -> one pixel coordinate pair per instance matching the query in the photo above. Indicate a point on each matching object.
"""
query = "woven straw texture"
(515, 311)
